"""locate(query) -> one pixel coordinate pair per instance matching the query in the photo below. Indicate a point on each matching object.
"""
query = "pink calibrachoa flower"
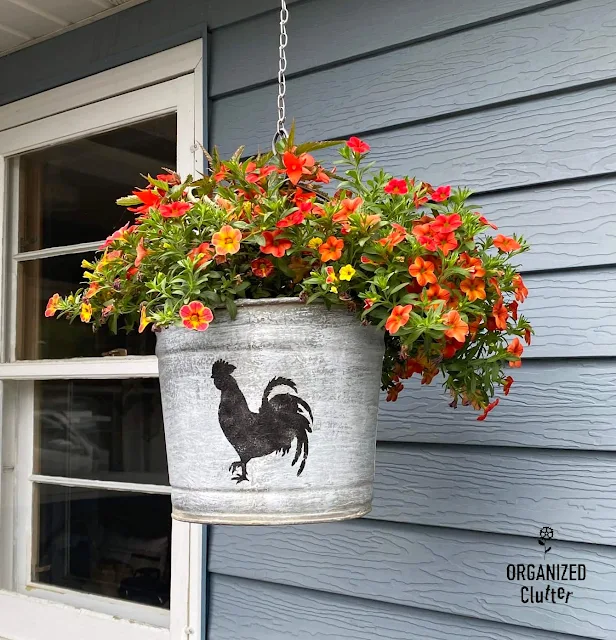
(196, 316)
(175, 209)
(116, 235)
(396, 187)
(357, 145)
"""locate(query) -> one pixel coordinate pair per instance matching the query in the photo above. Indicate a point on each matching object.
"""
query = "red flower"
(131, 271)
(527, 334)
(321, 176)
(205, 249)
(507, 385)
(440, 194)
(221, 174)
(169, 178)
(148, 197)
(443, 224)
(398, 318)
(516, 349)
(296, 166)
(357, 145)
(254, 175)
(485, 221)
(175, 209)
(273, 245)
(196, 315)
(426, 238)
(423, 271)
(487, 410)
(396, 187)
(331, 249)
(261, 267)
(297, 217)
(513, 309)
(447, 243)
(506, 244)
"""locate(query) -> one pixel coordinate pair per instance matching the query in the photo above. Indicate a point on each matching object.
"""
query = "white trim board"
(133, 75)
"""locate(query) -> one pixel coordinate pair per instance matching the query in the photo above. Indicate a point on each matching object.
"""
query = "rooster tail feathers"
(302, 445)
(278, 381)
(302, 403)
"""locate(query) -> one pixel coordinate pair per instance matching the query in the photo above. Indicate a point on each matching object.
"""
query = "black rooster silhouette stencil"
(281, 419)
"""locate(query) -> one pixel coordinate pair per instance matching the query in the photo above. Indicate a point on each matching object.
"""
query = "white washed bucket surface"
(308, 446)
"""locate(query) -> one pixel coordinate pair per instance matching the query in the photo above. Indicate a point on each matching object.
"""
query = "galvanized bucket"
(271, 418)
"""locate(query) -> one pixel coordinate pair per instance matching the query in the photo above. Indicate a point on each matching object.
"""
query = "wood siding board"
(229, 12)
(498, 490)
(254, 610)
(553, 404)
(443, 570)
(526, 56)
(553, 138)
(573, 313)
(567, 225)
(395, 21)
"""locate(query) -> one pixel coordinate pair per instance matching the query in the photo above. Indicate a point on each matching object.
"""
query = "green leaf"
(231, 308)
(308, 147)
(129, 201)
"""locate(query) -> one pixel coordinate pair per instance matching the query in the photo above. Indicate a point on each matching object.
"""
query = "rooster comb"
(222, 368)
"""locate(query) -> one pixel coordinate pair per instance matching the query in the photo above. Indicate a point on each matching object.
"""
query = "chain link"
(281, 132)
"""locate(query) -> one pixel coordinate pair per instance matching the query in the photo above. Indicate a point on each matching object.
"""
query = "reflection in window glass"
(68, 191)
(109, 543)
(100, 429)
(39, 337)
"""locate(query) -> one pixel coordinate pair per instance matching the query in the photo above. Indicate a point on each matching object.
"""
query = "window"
(85, 517)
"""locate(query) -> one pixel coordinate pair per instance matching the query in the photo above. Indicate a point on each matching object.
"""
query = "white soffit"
(26, 22)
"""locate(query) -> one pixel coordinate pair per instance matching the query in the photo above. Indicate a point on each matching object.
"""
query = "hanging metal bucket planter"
(271, 418)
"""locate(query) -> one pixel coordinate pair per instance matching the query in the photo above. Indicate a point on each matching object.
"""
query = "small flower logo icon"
(546, 533)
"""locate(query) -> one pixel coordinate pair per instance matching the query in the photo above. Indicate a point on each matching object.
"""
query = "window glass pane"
(68, 191)
(39, 337)
(108, 543)
(100, 429)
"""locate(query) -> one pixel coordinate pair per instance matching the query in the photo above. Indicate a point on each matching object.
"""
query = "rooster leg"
(240, 477)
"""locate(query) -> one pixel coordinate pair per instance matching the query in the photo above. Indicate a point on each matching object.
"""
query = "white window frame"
(171, 81)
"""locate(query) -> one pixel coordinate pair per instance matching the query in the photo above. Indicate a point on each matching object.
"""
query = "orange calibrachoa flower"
(521, 292)
(398, 318)
(500, 315)
(205, 251)
(52, 305)
(417, 263)
(473, 289)
(331, 249)
(393, 392)
(196, 315)
(516, 349)
(504, 243)
(227, 240)
(261, 267)
(347, 207)
(458, 329)
(423, 271)
(274, 245)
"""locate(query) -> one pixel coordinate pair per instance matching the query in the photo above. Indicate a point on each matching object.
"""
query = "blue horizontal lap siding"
(516, 100)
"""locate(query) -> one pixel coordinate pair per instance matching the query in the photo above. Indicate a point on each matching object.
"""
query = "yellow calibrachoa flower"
(86, 312)
(144, 321)
(227, 240)
(347, 272)
(315, 243)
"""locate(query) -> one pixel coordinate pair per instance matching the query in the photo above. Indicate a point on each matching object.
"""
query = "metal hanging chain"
(281, 132)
